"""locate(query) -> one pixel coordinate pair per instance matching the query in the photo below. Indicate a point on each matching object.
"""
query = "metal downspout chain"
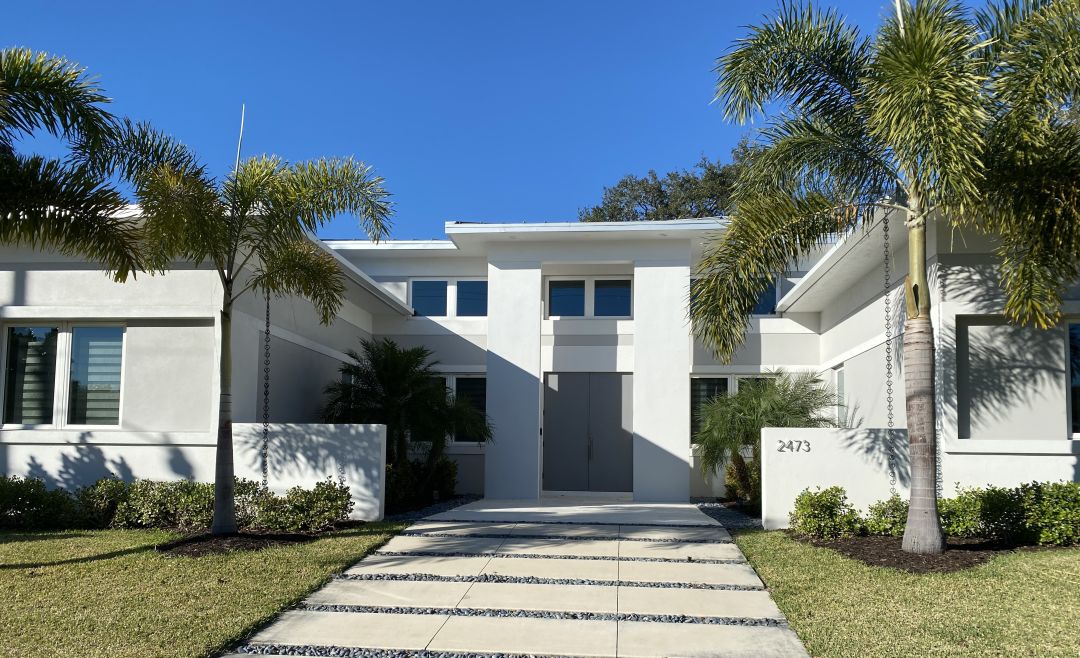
(266, 397)
(889, 357)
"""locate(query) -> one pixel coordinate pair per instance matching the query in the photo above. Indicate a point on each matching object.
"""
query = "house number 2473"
(792, 446)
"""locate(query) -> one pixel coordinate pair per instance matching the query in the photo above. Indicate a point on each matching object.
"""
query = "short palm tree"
(398, 387)
(255, 229)
(942, 116)
(66, 205)
(731, 424)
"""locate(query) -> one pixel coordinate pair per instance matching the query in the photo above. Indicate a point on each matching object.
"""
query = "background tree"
(69, 204)
(254, 229)
(704, 191)
(943, 116)
(731, 424)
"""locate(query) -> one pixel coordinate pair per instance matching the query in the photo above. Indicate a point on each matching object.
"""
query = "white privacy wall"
(298, 455)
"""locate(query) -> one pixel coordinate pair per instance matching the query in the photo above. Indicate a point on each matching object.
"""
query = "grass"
(1025, 603)
(109, 593)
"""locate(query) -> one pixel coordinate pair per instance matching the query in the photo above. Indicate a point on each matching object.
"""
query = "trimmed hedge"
(27, 504)
(1046, 513)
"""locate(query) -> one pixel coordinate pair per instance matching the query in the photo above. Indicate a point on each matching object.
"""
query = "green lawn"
(1019, 604)
(108, 593)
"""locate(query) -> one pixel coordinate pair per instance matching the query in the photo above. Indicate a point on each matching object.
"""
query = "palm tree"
(255, 230)
(732, 423)
(67, 205)
(943, 116)
(398, 387)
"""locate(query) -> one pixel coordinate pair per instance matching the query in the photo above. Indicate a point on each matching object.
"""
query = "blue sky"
(481, 111)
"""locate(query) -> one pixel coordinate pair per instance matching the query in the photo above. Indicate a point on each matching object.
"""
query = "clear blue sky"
(482, 111)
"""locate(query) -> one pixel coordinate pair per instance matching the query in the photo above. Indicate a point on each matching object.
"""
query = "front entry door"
(588, 436)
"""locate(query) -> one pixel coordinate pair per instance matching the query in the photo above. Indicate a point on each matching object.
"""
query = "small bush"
(304, 510)
(27, 504)
(887, 517)
(181, 504)
(401, 485)
(1052, 512)
(444, 478)
(742, 479)
(98, 502)
(249, 497)
(825, 514)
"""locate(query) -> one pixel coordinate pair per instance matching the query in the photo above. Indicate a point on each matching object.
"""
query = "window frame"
(590, 295)
(451, 297)
(1070, 409)
(62, 373)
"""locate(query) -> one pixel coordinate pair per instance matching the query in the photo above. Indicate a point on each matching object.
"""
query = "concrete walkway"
(560, 577)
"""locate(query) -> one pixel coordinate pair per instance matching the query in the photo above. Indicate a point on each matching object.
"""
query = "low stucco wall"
(298, 455)
(855, 459)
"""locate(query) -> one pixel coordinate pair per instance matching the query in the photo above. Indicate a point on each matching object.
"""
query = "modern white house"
(573, 337)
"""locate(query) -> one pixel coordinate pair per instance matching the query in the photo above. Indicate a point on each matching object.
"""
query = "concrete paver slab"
(553, 568)
(427, 564)
(674, 533)
(527, 636)
(697, 602)
(554, 598)
(565, 530)
(386, 631)
(571, 547)
(456, 528)
(406, 544)
(403, 593)
(687, 572)
(641, 639)
(678, 550)
(566, 509)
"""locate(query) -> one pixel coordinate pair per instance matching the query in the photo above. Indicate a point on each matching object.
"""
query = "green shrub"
(99, 501)
(27, 504)
(303, 510)
(181, 504)
(444, 477)
(995, 513)
(1052, 512)
(825, 514)
(401, 486)
(742, 479)
(887, 517)
(961, 515)
(249, 497)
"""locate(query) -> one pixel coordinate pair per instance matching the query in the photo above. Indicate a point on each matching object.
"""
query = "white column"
(661, 380)
(512, 460)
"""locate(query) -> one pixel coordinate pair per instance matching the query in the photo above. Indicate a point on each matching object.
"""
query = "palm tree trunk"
(923, 533)
(224, 507)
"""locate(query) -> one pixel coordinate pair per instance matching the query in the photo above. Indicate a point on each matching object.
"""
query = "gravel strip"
(493, 535)
(348, 652)
(731, 519)
(543, 556)
(543, 614)
(533, 580)
(437, 508)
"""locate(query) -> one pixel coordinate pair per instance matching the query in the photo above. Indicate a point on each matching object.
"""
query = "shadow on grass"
(15, 537)
(78, 560)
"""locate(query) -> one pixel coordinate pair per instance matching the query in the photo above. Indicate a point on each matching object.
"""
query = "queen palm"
(61, 204)
(255, 229)
(941, 116)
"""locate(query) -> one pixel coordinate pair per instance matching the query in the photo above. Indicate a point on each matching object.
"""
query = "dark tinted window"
(612, 299)
(472, 298)
(30, 377)
(473, 389)
(429, 297)
(566, 298)
(1074, 364)
(703, 389)
(767, 302)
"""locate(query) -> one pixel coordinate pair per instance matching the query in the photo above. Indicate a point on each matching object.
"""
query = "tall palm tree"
(62, 204)
(254, 228)
(942, 116)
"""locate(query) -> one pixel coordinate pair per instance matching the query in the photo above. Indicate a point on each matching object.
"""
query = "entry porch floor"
(561, 576)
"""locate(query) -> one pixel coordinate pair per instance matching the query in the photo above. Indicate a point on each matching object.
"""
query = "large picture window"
(30, 380)
(94, 397)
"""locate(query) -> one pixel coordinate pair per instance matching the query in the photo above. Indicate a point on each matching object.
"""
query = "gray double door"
(588, 432)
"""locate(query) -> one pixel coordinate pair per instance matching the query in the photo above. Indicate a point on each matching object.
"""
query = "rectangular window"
(473, 389)
(702, 390)
(1074, 369)
(472, 298)
(612, 299)
(429, 298)
(566, 298)
(766, 304)
(95, 375)
(31, 375)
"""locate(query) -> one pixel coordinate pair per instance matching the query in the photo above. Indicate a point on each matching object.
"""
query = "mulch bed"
(886, 552)
(207, 544)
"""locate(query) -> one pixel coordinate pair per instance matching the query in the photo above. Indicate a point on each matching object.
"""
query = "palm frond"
(43, 91)
(182, 217)
(302, 269)
(802, 56)
(133, 151)
(315, 192)
(47, 204)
